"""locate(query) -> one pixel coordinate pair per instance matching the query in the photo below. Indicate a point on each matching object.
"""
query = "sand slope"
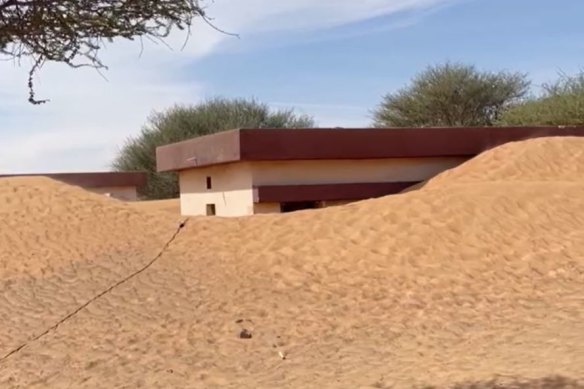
(46, 223)
(477, 275)
(171, 205)
(540, 159)
(61, 245)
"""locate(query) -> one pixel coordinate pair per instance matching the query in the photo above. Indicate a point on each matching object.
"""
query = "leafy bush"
(185, 122)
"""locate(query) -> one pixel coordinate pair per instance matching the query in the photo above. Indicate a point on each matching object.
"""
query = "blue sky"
(333, 59)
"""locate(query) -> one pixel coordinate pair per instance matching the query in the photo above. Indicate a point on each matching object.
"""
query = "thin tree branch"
(74, 31)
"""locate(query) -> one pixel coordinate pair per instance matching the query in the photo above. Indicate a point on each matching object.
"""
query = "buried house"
(119, 185)
(251, 171)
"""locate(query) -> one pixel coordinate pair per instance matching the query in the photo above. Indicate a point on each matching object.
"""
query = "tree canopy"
(561, 103)
(451, 95)
(185, 122)
(73, 31)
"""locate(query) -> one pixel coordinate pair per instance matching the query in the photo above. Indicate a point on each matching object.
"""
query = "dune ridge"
(476, 276)
(539, 159)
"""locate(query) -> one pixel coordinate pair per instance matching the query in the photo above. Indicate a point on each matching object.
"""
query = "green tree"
(185, 122)
(73, 31)
(561, 103)
(451, 95)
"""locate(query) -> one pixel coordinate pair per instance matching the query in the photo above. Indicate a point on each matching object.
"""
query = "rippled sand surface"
(474, 279)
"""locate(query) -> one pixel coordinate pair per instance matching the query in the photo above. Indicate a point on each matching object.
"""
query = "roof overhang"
(222, 147)
(270, 144)
(327, 192)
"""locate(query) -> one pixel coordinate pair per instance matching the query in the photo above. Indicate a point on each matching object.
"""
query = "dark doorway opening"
(298, 206)
(211, 210)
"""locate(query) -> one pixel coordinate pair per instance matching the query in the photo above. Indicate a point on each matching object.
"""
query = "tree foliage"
(451, 95)
(73, 31)
(561, 103)
(185, 122)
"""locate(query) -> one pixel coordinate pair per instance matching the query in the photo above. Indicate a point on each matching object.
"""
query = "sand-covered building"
(119, 185)
(472, 281)
(250, 171)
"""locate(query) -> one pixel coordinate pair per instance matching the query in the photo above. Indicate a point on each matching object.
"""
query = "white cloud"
(331, 115)
(89, 117)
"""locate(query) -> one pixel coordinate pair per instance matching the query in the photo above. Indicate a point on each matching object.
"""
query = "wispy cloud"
(88, 116)
(330, 115)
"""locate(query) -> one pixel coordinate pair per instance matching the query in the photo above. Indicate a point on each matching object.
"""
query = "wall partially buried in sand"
(120, 185)
(228, 189)
(258, 170)
(125, 193)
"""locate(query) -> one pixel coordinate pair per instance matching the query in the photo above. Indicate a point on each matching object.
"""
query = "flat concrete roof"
(270, 144)
(92, 179)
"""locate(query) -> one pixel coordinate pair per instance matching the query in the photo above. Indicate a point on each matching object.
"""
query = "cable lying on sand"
(181, 225)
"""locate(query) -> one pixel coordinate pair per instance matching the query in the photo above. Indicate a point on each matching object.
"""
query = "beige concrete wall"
(334, 203)
(231, 190)
(126, 193)
(232, 184)
(349, 171)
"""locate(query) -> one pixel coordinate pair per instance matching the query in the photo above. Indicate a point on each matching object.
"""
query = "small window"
(210, 209)
(209, 183)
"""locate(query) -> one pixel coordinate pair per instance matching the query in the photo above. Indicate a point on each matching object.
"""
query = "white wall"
(231, 190)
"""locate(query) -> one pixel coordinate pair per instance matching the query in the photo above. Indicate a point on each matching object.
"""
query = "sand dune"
(61, 245)
(540, 159)
(476, 276)
(46, 223)
(172, 205)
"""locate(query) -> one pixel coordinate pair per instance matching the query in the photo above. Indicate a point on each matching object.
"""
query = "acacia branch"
(74, 31)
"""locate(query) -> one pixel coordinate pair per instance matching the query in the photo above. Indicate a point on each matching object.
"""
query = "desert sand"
(475, 278)
(171, 205)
